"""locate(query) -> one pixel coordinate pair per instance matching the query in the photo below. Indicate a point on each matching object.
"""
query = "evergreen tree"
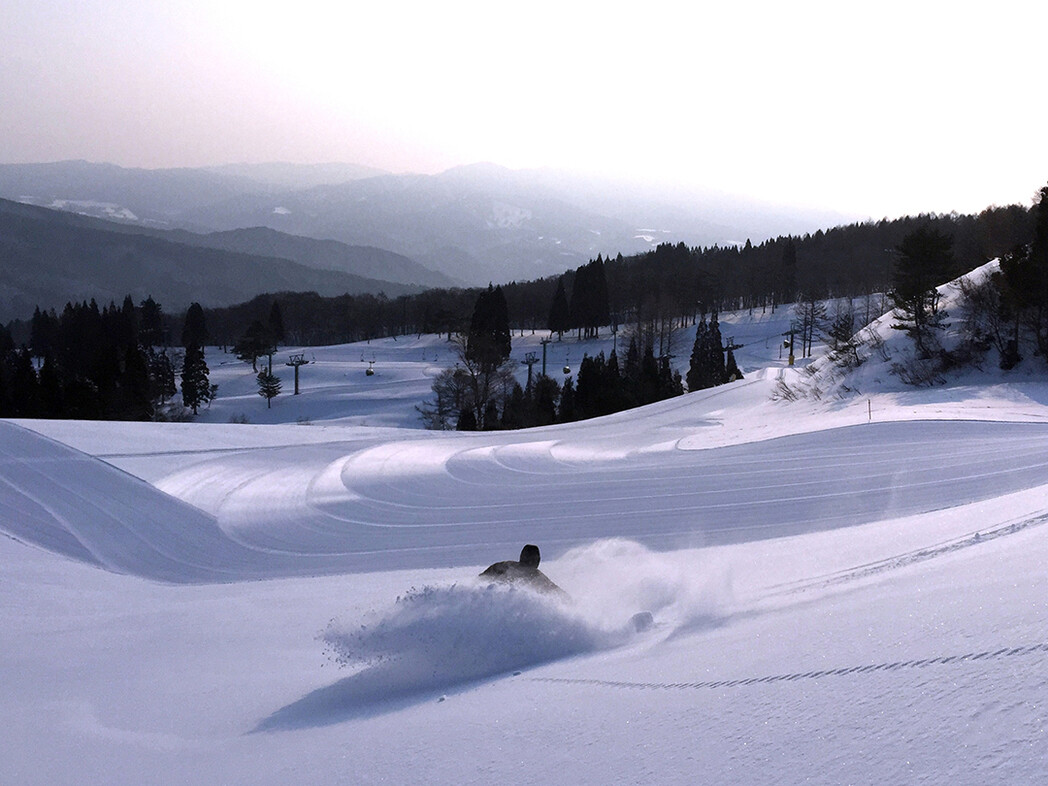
(589, 305)
(269, 385)
(135, 402)
(924, 261)
(488, 342)
(276, 325)
(715, 349)
(467, 421)
(566, 413)
(842, 324)
(587, 389)
(1023, 285)
(194, 331)
(707, 368)
(647, 390)
(491, 416)
(514, 413)
(196, 387)
(161, 377)
(43, 333)
(670, 382)
(631, 369)
(788, 273)
(24, 386)
(731, 368)
(7, 344)
(546, 394)
(125, 324)
(559, 311)
(698, 375)
(256, 342)
(151, 323)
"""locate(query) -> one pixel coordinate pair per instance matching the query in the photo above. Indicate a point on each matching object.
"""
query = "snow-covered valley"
(844, 590)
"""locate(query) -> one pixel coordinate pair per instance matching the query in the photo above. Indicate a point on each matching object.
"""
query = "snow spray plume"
(612, 579)
(438, 638)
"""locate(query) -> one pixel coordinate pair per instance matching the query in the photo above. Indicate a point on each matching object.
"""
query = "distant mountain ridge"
(287, 175)
(49, 257)
(474, 224)
(365, 261)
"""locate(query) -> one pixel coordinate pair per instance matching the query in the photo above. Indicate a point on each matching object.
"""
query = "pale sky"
(879, 109)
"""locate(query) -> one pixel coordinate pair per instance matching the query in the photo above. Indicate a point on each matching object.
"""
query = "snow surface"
(849, 588)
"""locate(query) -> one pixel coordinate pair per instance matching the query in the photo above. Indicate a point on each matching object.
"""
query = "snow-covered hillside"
(845, 588)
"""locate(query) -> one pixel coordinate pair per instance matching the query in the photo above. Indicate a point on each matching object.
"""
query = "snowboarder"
(524, 571)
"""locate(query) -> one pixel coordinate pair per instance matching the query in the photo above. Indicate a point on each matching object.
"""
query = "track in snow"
(986, 655)
(473, 497)
(469, 499)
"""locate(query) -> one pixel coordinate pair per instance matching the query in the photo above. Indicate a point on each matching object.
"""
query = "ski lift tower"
(545, 342)
(296, 360)
(788, 343)
(529, 360)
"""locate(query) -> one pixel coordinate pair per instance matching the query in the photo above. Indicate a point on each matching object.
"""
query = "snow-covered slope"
(845, 589)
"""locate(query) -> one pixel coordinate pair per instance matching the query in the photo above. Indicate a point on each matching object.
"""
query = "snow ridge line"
(918, 555)
(1004, 652)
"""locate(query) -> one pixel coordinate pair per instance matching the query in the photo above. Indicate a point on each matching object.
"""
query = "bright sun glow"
(878, 109)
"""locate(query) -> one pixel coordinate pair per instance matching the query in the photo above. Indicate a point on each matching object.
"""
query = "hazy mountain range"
(49, 257)
(471, 224)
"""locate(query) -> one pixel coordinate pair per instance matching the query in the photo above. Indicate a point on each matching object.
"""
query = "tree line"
(669, 286)
(1002, 313)
(108, 363)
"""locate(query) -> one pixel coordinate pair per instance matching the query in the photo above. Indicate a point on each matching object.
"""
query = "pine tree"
(161, 377)
(467, 421)
(136, 401)
(276, 324)
(566, 412)
(488, 342)
(715, 350)
(788, 273)
(670, 382)
(697, 377)
(51, 399)
(649, 377)
(1023, 284)
(514, 411)
(194, 331)
(43, 333)
(269, 385)
(731, 368)
(842, 324)
(707, 367)
(196, 389)
(255, 343)
(24, 385)
(924, 261)
(589, 305)
(126, 324)
(546, 394)
(491, 416)
(151, 323)
(559, 312)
